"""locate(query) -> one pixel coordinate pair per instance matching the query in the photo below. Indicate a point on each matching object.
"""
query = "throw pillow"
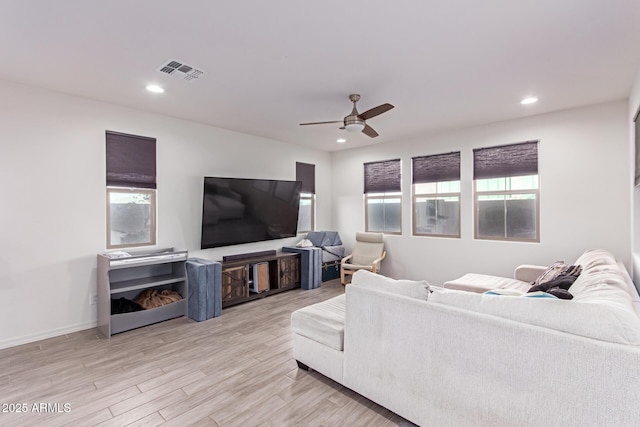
(304, 243)
(551, 273)
(563, 280)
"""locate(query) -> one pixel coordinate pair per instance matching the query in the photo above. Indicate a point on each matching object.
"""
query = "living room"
(53, 169)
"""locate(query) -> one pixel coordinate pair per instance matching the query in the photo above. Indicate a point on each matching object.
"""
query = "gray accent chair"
(367, 255)
(330, 243)
(327, 249)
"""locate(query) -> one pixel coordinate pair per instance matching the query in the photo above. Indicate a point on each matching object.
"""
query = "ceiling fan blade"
(320, 123)
(368, 130)
(375, 111)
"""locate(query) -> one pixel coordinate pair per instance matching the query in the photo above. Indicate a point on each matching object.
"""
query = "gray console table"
(127, 276)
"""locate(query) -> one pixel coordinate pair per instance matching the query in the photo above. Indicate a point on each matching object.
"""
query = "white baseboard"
(48, 334)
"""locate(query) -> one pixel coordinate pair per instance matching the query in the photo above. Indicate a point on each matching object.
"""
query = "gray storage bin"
(205, 294)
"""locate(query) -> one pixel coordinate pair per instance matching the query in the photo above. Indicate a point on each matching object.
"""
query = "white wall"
(585, 192)
(52, 221)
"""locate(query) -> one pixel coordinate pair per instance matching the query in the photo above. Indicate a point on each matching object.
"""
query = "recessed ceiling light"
(341, 140)
(155, 89)
(530, 100)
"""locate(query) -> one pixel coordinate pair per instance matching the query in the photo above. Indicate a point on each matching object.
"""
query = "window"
(436, 195)
(383, 197)
(636, 122)
(507, 192)
(131, 190)
(306, 173)
(131, 217)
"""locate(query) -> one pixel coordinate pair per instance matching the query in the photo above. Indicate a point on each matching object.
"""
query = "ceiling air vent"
(180, 70)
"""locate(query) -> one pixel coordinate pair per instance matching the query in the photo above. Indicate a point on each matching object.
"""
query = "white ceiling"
(271, 65)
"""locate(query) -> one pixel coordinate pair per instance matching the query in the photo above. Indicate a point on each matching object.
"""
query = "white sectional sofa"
(441, 357)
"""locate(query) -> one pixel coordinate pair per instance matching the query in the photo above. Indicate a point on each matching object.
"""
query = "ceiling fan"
(356, 122)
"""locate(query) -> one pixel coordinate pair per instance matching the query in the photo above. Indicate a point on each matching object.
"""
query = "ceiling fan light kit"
(354, 127)
(355, 122)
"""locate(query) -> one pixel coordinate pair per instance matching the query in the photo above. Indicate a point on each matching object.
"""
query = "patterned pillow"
(560, 284)
(551, 273)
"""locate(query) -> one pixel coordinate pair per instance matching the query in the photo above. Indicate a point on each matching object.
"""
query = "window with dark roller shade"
(306, 174)
(436, 195)
(507, 195)
(131, 190)
(131, 161)
(436, 168)
(381, 177)
(506, 160)
(383, 196)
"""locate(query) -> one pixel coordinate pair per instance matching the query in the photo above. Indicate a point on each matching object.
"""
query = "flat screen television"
(237, 210)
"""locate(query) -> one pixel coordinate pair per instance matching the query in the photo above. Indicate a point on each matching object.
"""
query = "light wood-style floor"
(233, 370)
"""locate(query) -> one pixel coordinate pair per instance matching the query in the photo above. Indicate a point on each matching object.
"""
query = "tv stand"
(252, 278)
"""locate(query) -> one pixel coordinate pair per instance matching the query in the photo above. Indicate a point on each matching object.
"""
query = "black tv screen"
(236, 210)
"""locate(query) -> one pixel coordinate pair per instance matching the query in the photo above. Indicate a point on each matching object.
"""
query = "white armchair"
(367, 255)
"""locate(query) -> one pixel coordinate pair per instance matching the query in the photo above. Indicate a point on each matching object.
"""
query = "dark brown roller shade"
(506, 160)
(380, 177)
(131, 161)
(306, 173)
(436, 168)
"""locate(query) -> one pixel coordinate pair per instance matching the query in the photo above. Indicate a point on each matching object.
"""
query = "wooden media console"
(257, 277)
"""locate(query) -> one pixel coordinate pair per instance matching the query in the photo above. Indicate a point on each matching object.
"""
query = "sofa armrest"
(528, 273)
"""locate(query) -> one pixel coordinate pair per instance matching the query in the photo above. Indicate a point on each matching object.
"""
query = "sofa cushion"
(480, 283)
(414, 289)
(595, 257)
(598, 321)
(322, 322)
(602, 281)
